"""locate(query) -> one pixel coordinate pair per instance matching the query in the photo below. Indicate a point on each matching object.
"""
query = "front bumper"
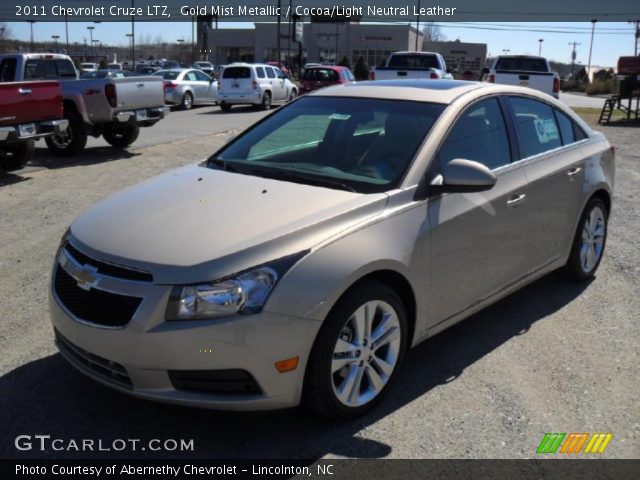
(38, 130)
(139, 358)
(240, 98)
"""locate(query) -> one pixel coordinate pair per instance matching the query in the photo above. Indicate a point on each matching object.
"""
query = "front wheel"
(293, 95)
(357, 353)
(187, 101)
(69, 142)
(16, 156)
(589, 242)
(225, 107)
(121, 137)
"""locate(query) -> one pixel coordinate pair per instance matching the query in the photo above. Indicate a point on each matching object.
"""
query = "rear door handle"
(516, 200)
(574, 171)
(24, 91)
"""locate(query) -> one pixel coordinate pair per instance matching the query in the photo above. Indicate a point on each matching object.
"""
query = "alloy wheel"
(593, 233)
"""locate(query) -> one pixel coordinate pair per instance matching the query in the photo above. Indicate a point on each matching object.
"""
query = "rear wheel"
(266, 101)
(293, 95)
(121, 136)
(16, 156)
(187, 101)
(225, 107)
(589, 242)
(71, 141)
(357, 352)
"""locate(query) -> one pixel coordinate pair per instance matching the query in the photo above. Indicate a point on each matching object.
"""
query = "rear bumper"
(240, 98)
(35, 130)
(142, 116)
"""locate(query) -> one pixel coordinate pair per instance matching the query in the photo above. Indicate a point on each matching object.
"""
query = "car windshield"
(413, 61)
(522, 64)
(167, 74)
(363, 145)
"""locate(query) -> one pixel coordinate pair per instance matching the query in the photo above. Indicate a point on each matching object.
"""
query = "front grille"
(110, 371)
(94, 306)
(107, 268)
(221, 382)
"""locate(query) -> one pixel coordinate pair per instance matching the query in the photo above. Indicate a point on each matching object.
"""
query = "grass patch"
(591, 115)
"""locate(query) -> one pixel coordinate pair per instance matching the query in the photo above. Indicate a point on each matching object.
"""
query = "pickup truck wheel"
(225, 107)
(70, 142)
(266, 101)
(187, 101)
(16, 156)
(121, 137)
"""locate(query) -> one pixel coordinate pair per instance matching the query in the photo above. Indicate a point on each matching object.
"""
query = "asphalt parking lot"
(554, 357)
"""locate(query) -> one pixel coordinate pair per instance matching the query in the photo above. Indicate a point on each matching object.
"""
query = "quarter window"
(260, 72)
(479, 135)
(535, 125)
(270, 73)
(566, 128)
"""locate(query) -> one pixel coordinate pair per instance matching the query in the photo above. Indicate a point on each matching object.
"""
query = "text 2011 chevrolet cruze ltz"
(301, 260)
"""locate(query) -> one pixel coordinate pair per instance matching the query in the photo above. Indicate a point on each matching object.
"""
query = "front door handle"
(516, 200)
(24, 91)
(574, 171)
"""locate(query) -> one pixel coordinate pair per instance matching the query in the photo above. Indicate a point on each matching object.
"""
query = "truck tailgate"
(24, 102)
(139, 92)
(385, 73)
(542, 81)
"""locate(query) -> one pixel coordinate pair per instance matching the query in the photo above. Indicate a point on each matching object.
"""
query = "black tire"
(266, 101)
(225, 107)
(15, 156)
(70, 142)
(318, 390)
(293, 95)
(574, 268)
(187, 101)
(121, 137)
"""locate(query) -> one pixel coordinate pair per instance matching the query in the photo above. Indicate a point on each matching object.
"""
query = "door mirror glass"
(462, 175)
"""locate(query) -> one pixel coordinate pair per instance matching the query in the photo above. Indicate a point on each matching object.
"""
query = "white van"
(254, 84)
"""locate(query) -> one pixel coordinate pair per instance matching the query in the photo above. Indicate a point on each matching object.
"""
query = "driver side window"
(479, 134)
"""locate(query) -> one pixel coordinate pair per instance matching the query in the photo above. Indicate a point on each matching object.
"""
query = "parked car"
(147, 70)
(187, 87)
(254, 84)
(88, 67)
(114, 66)
(115, 108)
(28, 111)
(310, 252)
(169, 65)
(412, 65)
(314, 78)
(629, 75)
(206, 67)
(525, 71)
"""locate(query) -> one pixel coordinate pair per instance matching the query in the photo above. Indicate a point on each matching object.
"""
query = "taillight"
(170, 86)
(372, 75)
(556, 85)
(433, 75)
(492, 78)
(254, 84)
(110, 92)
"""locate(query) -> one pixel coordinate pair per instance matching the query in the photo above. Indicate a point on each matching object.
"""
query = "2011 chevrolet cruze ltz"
(300, 261)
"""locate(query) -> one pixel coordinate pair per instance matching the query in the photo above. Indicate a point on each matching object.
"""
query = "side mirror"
(485, 71)
(464, 176)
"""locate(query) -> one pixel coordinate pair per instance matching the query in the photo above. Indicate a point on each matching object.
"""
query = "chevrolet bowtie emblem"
(86, 277)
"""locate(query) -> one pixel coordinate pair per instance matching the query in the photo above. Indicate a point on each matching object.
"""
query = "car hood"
(211, 223)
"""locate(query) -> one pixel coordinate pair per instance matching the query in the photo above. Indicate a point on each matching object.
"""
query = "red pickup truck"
(28, 111)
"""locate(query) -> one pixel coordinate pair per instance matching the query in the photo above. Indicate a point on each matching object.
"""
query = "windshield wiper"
(283, 173)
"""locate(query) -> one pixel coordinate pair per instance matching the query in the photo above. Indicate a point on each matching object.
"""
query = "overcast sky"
(611, 39)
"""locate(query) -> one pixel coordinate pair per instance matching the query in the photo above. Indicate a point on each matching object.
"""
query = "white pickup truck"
(412, 65)
(524, 70)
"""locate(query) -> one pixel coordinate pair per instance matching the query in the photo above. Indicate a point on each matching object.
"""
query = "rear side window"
(535, 125)
(65, 69)
(270, 72)
(260, 72)
(479, 135)
(191, 76)
(36, 69)
(236, 72)
(8, 70)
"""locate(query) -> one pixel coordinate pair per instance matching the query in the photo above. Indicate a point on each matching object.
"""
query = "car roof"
(427, 90)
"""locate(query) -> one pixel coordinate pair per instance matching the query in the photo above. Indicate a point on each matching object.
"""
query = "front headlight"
(243, 293)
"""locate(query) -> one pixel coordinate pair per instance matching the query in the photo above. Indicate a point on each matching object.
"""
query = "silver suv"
(301, 260)
(254, 84)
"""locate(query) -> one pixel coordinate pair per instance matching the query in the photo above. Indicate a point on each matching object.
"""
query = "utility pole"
(289, 32)
(573, 56)
(636, 37)
(418, 26)
(593, 30)
(278, 42)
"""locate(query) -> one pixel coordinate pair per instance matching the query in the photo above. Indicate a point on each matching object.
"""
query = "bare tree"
(433, 33)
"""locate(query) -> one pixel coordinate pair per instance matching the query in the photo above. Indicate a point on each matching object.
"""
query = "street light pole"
(180, 41)
(418, 26)
(278, 39)
(91, 28)
(55, 39)
(133, 60)
(31, 22)
(593, 30)
(540, 40)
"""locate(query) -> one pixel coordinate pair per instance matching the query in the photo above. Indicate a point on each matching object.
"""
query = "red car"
(318, 77)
